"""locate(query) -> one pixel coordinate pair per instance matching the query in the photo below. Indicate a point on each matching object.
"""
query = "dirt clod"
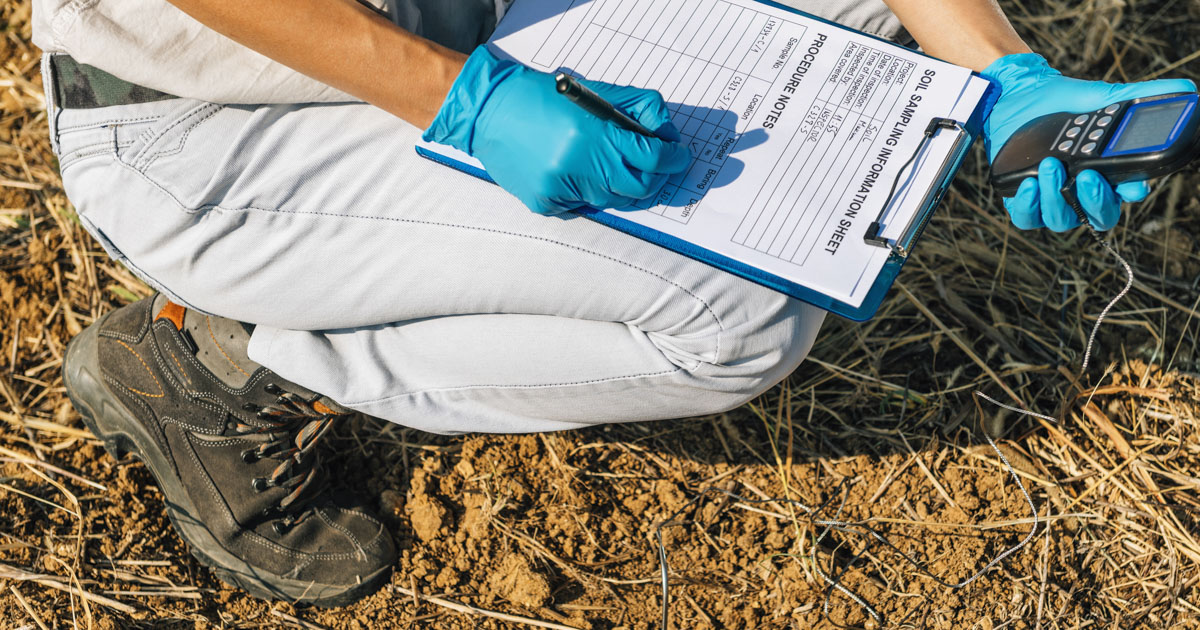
(515, 580)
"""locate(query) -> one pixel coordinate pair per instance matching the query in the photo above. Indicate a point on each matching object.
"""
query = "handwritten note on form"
(798, 128)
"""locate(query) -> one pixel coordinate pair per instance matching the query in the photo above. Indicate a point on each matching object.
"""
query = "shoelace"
(293, 427)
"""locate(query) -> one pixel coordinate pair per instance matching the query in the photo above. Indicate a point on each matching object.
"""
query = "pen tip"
(562, 82)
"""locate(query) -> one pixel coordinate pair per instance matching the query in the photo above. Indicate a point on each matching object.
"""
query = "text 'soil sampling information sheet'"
(797, 128)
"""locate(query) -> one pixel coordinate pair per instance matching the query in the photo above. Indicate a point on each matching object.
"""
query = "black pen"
(591, 102)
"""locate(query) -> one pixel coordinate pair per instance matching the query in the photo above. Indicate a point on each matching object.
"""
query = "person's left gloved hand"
(1032, 89)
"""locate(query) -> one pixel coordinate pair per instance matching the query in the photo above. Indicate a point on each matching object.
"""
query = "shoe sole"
(121, 432)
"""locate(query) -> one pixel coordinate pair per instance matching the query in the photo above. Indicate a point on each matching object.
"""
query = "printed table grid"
(847, 114)
(691, 61)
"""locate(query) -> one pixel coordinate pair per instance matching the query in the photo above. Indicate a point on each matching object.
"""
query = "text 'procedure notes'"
(797, 127)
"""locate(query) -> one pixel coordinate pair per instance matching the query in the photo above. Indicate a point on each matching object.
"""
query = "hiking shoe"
(232, 447)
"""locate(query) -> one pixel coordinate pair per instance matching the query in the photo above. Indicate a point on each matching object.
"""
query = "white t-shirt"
(153, 44)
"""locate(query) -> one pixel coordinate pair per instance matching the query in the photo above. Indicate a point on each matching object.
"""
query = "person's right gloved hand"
(549, 152)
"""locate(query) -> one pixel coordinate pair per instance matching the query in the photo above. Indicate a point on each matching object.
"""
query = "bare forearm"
(970, 33)
(343, 44)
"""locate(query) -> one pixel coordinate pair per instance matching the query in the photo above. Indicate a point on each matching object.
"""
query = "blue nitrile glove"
(1032, 89)
(549, 152)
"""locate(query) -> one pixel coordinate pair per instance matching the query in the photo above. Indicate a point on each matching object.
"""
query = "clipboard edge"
(462, 167)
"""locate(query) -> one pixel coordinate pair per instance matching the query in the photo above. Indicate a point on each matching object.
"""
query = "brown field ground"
(559, 528)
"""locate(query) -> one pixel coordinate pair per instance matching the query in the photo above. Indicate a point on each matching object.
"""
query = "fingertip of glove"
(1052, 175)
(1133, 192)
(1102, 208)
(673, 157)
(1024, 219)
(1087, 186)
(1050, 166)
(1026, 195)
(683, 155)
(1023, 208)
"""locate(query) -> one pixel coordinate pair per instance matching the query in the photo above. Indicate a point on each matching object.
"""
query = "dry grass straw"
(981, 305)
(480, 612)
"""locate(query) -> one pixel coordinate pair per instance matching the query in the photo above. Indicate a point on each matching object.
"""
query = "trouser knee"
(756, 353)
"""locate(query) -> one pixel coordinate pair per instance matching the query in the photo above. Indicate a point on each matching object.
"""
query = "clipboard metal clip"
(924, 213)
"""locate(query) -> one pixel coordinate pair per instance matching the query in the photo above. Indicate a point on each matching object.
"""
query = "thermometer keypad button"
(1096, 135)
(1081, 120)
(1066, 146)
(1104, 122)
(1112, 109)
(1074, 132)
(1089, 147)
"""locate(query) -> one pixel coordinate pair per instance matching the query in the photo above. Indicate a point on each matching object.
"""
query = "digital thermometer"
(1126, 141)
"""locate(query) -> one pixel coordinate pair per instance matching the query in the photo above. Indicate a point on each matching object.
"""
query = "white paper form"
(798, 127)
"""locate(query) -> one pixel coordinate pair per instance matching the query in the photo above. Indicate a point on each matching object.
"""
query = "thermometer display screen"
(1150, 127)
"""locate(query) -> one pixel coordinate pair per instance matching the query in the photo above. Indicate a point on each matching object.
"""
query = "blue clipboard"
(967, 132)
